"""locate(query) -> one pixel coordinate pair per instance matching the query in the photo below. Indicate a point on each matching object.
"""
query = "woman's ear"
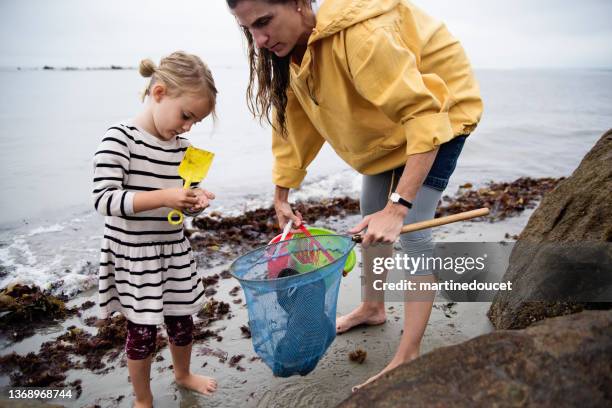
(302, 4)
(158, 92)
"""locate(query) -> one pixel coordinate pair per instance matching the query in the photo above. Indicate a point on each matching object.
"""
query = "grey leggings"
(375, 194)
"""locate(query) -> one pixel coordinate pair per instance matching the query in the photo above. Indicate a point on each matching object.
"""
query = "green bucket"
(351, 260)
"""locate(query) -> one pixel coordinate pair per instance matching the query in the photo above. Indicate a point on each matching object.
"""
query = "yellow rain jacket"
(380, 80)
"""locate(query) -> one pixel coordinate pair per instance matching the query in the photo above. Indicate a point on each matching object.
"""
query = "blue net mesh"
(291, 290)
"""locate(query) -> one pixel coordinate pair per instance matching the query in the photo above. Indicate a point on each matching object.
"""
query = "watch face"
(395, 197)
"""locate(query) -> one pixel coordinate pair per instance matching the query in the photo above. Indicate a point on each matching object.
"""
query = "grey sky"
(496, 33)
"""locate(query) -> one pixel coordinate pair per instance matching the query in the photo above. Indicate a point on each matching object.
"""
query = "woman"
(391, 91)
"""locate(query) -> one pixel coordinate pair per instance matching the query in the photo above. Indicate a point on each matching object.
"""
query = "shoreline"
(222, 348)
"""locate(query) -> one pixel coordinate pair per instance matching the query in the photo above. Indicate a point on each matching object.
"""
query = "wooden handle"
(445, 220)
(466, 215)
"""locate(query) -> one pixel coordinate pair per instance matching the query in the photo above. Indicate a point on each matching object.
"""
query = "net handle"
(417, 226)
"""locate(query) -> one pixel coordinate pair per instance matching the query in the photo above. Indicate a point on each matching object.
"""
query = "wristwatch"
(397, 199)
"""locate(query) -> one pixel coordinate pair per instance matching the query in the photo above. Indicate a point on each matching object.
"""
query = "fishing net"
(291, 290)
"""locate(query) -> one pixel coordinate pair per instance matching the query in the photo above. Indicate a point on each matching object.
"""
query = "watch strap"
(400, 200)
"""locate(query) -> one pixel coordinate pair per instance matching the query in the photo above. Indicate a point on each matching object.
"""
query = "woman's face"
(277, 27)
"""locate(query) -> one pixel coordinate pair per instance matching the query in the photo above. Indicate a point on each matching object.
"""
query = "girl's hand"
(204, 197)
(179, 198)
(284, 213)
(383, 226)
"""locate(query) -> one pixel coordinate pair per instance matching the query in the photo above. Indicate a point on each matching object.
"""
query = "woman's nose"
(187, 126)
(260, 38)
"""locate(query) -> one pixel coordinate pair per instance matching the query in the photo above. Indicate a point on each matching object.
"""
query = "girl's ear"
(158, 92)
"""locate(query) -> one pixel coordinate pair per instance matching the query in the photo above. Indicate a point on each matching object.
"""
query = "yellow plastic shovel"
(193, 168)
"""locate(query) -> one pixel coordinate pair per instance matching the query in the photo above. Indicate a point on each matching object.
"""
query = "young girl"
(147, 269)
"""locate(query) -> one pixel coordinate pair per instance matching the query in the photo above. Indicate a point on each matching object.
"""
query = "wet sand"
(250, 383)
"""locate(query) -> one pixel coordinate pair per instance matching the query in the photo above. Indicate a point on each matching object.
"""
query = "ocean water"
(537, 123)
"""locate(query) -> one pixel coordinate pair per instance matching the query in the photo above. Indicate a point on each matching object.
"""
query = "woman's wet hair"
(268, 76)
(181, 73)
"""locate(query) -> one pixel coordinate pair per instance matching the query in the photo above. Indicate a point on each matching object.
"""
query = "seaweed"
(88, 305)
(23, 308)
(246, 331)
(503, 199)
(234, 362)
(358, 356)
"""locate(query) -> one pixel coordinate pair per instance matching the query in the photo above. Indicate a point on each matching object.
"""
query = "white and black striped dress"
(147, 269)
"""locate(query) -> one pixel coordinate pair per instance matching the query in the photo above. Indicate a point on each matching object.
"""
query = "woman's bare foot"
(143, 403)
(198, 383)
(362, 315)
(395, 362)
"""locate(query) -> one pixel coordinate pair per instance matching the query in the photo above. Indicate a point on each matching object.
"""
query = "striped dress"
(147, 269)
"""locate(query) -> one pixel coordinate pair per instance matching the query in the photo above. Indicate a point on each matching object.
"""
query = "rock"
(564, 361)
(562, 261)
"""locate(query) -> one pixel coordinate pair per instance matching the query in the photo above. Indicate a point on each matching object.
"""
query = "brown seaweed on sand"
(446, 308)
(213, 310)
(246, 331)
(201, 332)
(503, 199)
(48, 367)
(207, 351)
(234, 360)
(358, 356)
(88, 305)
(23, 307)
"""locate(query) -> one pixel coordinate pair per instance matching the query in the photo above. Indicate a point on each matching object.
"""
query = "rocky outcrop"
(562, 261)
(563, 361)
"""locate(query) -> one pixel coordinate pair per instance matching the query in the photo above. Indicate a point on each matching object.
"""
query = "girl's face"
(277, 27)
(173, 115)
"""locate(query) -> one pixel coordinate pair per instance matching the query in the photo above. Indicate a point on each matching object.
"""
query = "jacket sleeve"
(294, 152)
(385, 72)
(111, 166)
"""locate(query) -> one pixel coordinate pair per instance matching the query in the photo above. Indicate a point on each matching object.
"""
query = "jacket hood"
(336, 15)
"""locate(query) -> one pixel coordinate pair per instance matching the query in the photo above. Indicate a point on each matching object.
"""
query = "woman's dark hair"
(270, 74)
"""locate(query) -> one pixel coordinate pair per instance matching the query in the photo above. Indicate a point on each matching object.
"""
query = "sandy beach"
(246, 381)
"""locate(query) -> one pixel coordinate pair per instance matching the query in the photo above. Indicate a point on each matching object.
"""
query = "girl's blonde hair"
(181, 72)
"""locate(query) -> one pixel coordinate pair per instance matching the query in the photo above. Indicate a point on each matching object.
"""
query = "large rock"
(564, 361)
(562, 262)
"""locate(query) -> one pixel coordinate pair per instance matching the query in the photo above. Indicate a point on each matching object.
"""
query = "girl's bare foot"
(395, 362)
(199, 383)
(362, 315)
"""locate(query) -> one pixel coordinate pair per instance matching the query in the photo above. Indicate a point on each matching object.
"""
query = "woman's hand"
(383, 226)
(204, 197)
(284, 213)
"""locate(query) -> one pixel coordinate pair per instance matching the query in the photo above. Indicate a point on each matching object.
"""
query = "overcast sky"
(495, 33)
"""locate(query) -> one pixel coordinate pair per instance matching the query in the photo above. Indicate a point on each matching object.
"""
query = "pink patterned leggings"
(141, 338)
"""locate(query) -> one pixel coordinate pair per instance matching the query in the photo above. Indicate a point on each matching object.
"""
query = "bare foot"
(143, 403)
(392, 364)
(198, 383)
(360, 316)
